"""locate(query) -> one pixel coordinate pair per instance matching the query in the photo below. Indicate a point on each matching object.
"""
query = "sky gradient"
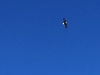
(33, 40)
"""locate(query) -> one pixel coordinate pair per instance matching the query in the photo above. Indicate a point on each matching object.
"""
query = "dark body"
(64, 22)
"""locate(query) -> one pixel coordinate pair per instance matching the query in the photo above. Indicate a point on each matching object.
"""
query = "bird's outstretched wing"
(64, 20)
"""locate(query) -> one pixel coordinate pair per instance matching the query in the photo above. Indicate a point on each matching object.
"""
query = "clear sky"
(33, 40)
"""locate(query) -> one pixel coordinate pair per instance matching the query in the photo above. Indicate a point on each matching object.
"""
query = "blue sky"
(33, 40)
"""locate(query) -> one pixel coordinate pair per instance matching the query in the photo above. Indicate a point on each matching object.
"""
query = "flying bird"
(64, 22)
